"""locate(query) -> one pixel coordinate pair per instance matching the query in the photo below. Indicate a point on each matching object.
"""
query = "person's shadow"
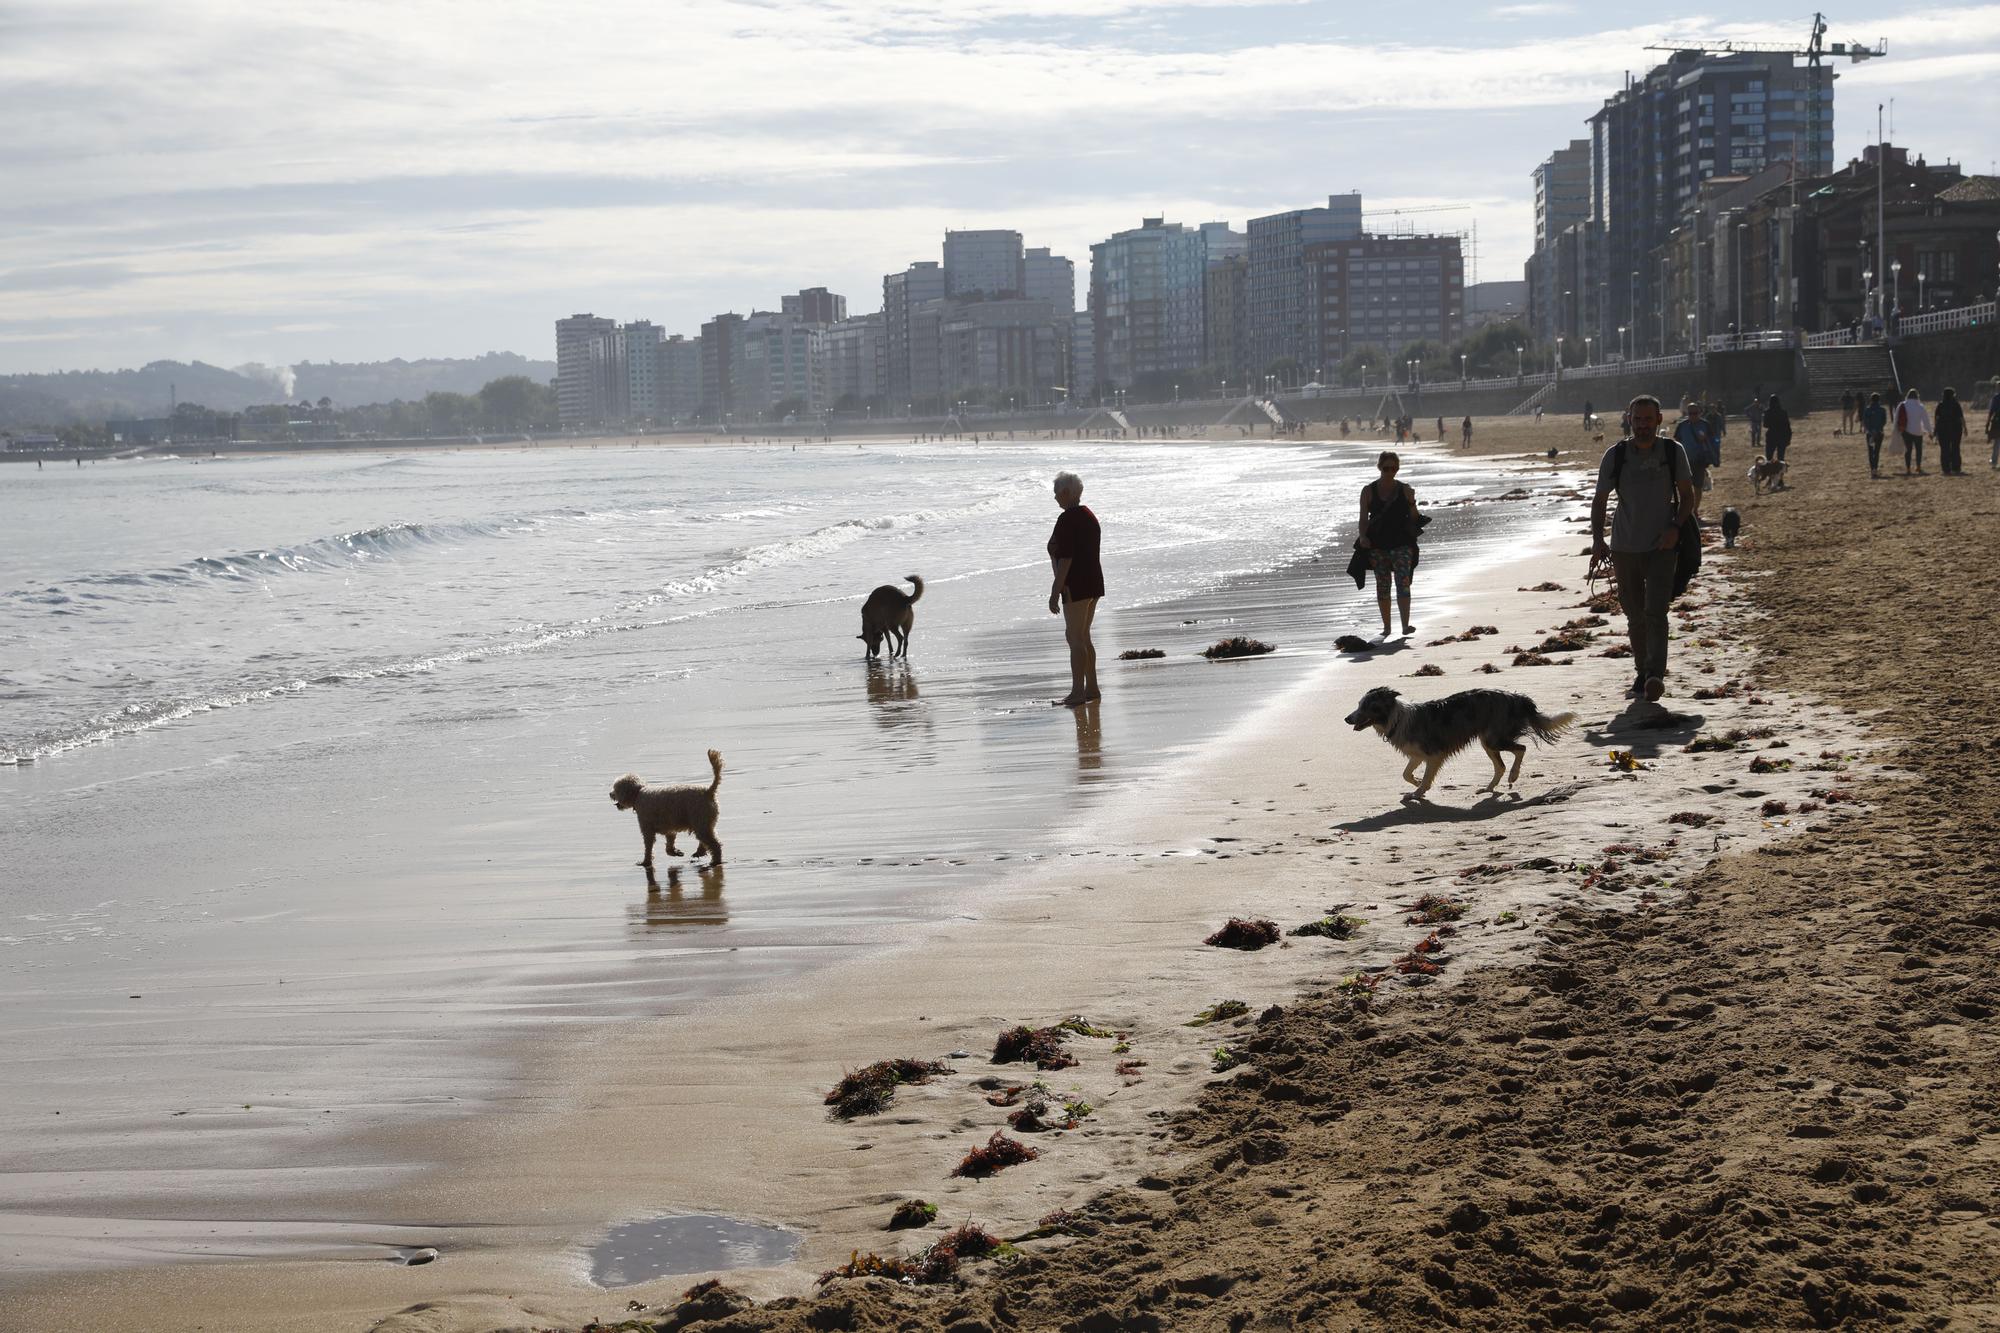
(669, 907)
(1646, 729)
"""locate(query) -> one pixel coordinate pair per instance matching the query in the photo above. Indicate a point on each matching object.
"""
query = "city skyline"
(406, 188)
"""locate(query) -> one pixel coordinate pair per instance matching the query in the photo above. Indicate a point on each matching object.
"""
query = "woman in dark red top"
(1079, 582)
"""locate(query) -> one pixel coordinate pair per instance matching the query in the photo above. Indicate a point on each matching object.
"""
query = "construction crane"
(1472, 254)
(1815, 51)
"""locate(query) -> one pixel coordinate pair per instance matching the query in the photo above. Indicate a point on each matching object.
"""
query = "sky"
(277, 181)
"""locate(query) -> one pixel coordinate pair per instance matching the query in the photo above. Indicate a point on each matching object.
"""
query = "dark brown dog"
(887, 614)
(672, 810)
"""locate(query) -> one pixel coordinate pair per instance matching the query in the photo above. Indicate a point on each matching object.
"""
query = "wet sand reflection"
(674, 906)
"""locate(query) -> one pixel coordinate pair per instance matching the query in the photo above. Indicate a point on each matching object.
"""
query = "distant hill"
(91, 396)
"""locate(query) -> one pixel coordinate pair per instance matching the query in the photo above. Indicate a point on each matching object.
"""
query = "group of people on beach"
(1913, 422)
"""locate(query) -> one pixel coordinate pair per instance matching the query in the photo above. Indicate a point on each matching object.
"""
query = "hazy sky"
(281, 181)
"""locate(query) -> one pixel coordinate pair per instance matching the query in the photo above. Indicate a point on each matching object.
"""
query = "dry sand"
(1759, 1091)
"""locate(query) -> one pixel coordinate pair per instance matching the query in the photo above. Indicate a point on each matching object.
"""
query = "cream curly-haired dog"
(671, 810)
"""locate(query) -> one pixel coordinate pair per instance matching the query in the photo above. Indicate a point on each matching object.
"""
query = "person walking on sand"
(1389, 526)
(1846, 412)
(1754, 414)
(1655, 498)
(1912, 423)
(1949, 427)
(1777, 430)
(1691, 433)
(1874, 425)
(1993, 425)
(1079, 583)
(1465, 433)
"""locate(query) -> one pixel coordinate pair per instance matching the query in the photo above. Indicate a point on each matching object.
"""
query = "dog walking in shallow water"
(1430, 733)
(671, 810)
(887, 614)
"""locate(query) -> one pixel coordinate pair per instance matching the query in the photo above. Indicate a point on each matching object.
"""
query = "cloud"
(1532, 11)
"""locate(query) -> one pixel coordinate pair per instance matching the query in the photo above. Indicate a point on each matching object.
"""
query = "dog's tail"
(715, 762)
(918, 594)
(1550, 728)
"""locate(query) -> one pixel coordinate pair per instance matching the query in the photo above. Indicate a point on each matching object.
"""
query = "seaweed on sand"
(1334, 927)
(1082, 1027)
(1531, 659)
(1434, 909)
(1239, 933)
(1223, 1059)
(1428, 669)
(1141, 654)
(1546, 586)
(1041, 1047)
(995, 1155)
(1006, 1096)
(935, 1263)
(1220, 1010)
(869, 1090)
(1566, 641)
(1237, 646)
(1693, 818)
(912, 1213)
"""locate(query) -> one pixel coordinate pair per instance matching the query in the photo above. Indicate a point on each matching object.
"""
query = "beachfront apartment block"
(1051, 278)
(1148, 292)
(583, 365)
(1005, 352)
(642, 341)
(984, 263)
(1562, 201)
(1385, 292)
(903, 294)
(1281, 317)
(814, 305)
(855, 358)
(1698, 115)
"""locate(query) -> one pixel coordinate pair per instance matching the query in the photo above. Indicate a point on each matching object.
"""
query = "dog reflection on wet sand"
(667, 906)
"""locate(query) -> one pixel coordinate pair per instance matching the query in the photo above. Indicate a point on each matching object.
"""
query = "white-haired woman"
(1079, 582)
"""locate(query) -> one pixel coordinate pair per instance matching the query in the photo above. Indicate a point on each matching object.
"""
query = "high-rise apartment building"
(642, 339)
(902, 294)
(1148, 287)
(1386, 292)
(1007, 351)
(855, 360)
(1082, 384)
(815, 305)
(581, 389)
(680, 378)
(776, 372)
(1050, 278)
(1562, 201)
(1281, 316)
(984, 263)
(721, 356)
(1226, 315)
(1699, 115)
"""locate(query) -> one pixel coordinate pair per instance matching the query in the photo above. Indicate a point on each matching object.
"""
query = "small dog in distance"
(671, 810)
(1430, 733)
(1767, 474)
(887, 614)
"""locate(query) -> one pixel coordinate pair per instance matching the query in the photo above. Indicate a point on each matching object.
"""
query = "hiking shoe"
(1655, 687)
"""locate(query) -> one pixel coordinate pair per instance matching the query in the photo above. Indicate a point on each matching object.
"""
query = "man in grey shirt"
(1655, 496)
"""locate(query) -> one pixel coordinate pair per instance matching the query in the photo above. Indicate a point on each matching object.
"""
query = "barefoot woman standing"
(1079, 582)
(1389, 525)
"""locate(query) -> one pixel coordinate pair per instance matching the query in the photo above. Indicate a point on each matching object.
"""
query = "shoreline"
(1144, 904)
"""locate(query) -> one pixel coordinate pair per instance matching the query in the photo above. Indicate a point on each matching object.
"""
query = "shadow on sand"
(1490, 806)
(1646, 729)
(670, 907)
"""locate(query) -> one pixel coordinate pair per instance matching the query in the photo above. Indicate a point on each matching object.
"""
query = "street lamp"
(1895, 283)
(1742, 243)
(1921, 275)
(1624, 345)
(1587, 341)
(1177, 393)
(1461, 370)
(1519, 352)
(1690, 332)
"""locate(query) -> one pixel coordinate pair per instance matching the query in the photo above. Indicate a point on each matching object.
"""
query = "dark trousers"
(1775, 448)
(1874, 450)
(1948, 454)
(1913, 448)
(1645, 588)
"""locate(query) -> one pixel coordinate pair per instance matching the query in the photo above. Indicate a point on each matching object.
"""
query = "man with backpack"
(1913, 422)
(1654, 519)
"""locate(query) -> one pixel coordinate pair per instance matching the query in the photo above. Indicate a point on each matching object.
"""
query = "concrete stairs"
(1539, 396)
(1864, 368)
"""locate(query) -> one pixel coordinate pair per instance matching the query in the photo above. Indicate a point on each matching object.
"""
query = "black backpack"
(1688, 549)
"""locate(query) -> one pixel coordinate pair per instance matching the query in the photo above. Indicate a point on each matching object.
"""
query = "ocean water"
(304, 760)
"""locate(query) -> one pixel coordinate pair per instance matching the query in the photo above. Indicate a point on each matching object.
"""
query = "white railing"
(1753, 338)
(1938, 321)
(1833, 338)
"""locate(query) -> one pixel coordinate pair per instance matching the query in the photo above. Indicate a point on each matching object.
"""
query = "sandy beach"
(1708, 1036)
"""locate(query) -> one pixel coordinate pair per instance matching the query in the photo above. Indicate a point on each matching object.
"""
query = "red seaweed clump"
(1248, 935)
(995, 1155)
(1041, 1047)
(870, 1090)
